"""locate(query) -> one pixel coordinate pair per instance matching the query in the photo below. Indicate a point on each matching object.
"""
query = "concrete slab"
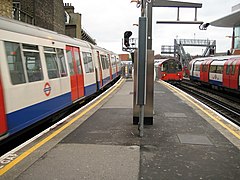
(194, 139)
(175, 115)
(78, 161)
(187, 162)
(120, 101)
(106, 126)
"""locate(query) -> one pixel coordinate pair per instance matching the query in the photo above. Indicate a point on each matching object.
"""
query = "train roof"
(27, 29)
(218, 62)
(162, 60)
(215, 58)
(226, 57)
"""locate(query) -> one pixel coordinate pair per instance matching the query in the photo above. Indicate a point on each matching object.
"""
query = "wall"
(6, 8)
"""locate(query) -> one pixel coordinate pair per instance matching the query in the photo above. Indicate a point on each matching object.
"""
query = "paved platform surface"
(181, 144)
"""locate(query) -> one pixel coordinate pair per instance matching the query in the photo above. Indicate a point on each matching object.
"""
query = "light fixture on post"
(204, 26)
(136, 1)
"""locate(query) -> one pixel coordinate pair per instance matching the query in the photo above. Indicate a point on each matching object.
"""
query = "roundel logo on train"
(47, 89)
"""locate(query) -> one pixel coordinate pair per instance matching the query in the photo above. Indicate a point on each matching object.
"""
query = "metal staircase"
(178, 48)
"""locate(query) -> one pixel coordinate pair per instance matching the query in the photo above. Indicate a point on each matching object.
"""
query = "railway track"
(227, 106)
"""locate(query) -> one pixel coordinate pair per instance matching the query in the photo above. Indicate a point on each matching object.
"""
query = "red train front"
(169, 70)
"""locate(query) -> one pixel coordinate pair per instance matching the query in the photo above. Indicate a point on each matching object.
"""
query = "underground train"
(43, 72)
(169, 70)
(221, 72)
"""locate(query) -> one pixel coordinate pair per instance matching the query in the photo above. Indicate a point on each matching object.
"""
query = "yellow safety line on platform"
(32, 149)
(206, 112)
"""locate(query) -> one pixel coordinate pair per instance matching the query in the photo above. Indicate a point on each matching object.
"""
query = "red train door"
(110, 66)
(100, 70)
(76, 73)
(204, 70)
(3, 119)
(234, 75)
(230, 77)
(226, 73)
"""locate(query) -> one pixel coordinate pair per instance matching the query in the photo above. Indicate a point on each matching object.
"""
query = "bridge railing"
(195, 42)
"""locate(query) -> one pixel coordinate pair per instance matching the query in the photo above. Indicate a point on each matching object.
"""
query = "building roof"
(231, 20)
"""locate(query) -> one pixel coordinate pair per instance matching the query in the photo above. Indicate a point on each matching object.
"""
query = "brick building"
(6, 8)
(124, 57)
(74, 25)
(48, 14)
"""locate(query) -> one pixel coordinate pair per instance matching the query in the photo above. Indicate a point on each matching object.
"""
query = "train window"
(29, 47)
(62, 62)
(233, 67)
(113, 60)
(213, 69)
(164, 67)
(51, 62)
(205, 68)
(219, 69)
(228, 69)
(88, 62)
(77, 58)
(103, 60)
(196, 67)
(107, 62)
(179, 67)
(70, 62)
(33, 66)
(49, 49)
(15, 64)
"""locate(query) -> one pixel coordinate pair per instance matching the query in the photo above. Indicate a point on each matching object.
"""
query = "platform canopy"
(231, 20)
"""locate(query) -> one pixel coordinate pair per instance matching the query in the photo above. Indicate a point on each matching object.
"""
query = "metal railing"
(195, 42)
(22, 16)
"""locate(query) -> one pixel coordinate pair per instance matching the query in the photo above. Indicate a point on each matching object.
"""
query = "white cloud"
(107, 20)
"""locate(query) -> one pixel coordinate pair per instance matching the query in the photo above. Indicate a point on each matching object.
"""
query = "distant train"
(42, 72)
(218, 72)
(169, 70)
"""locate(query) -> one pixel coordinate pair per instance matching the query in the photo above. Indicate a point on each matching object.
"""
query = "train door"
(110, 66)
(204, 71)
(76, 73)
(226, 73)
(230, 77)
(116, 63)
(3, 119)
(100, 70)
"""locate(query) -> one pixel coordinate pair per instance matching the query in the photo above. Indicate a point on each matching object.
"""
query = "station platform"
(186, 141)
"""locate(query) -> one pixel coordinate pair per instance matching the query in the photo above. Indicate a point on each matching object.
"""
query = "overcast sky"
(107, 20)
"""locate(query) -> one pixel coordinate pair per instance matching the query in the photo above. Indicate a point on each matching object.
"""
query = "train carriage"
(169, 70)
(231, 73)
(42, 72)
(221, 72)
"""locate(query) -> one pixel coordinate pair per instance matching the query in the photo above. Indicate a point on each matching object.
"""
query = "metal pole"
(141, 120)
(143, 9)
(149, 16)
(142, 66)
